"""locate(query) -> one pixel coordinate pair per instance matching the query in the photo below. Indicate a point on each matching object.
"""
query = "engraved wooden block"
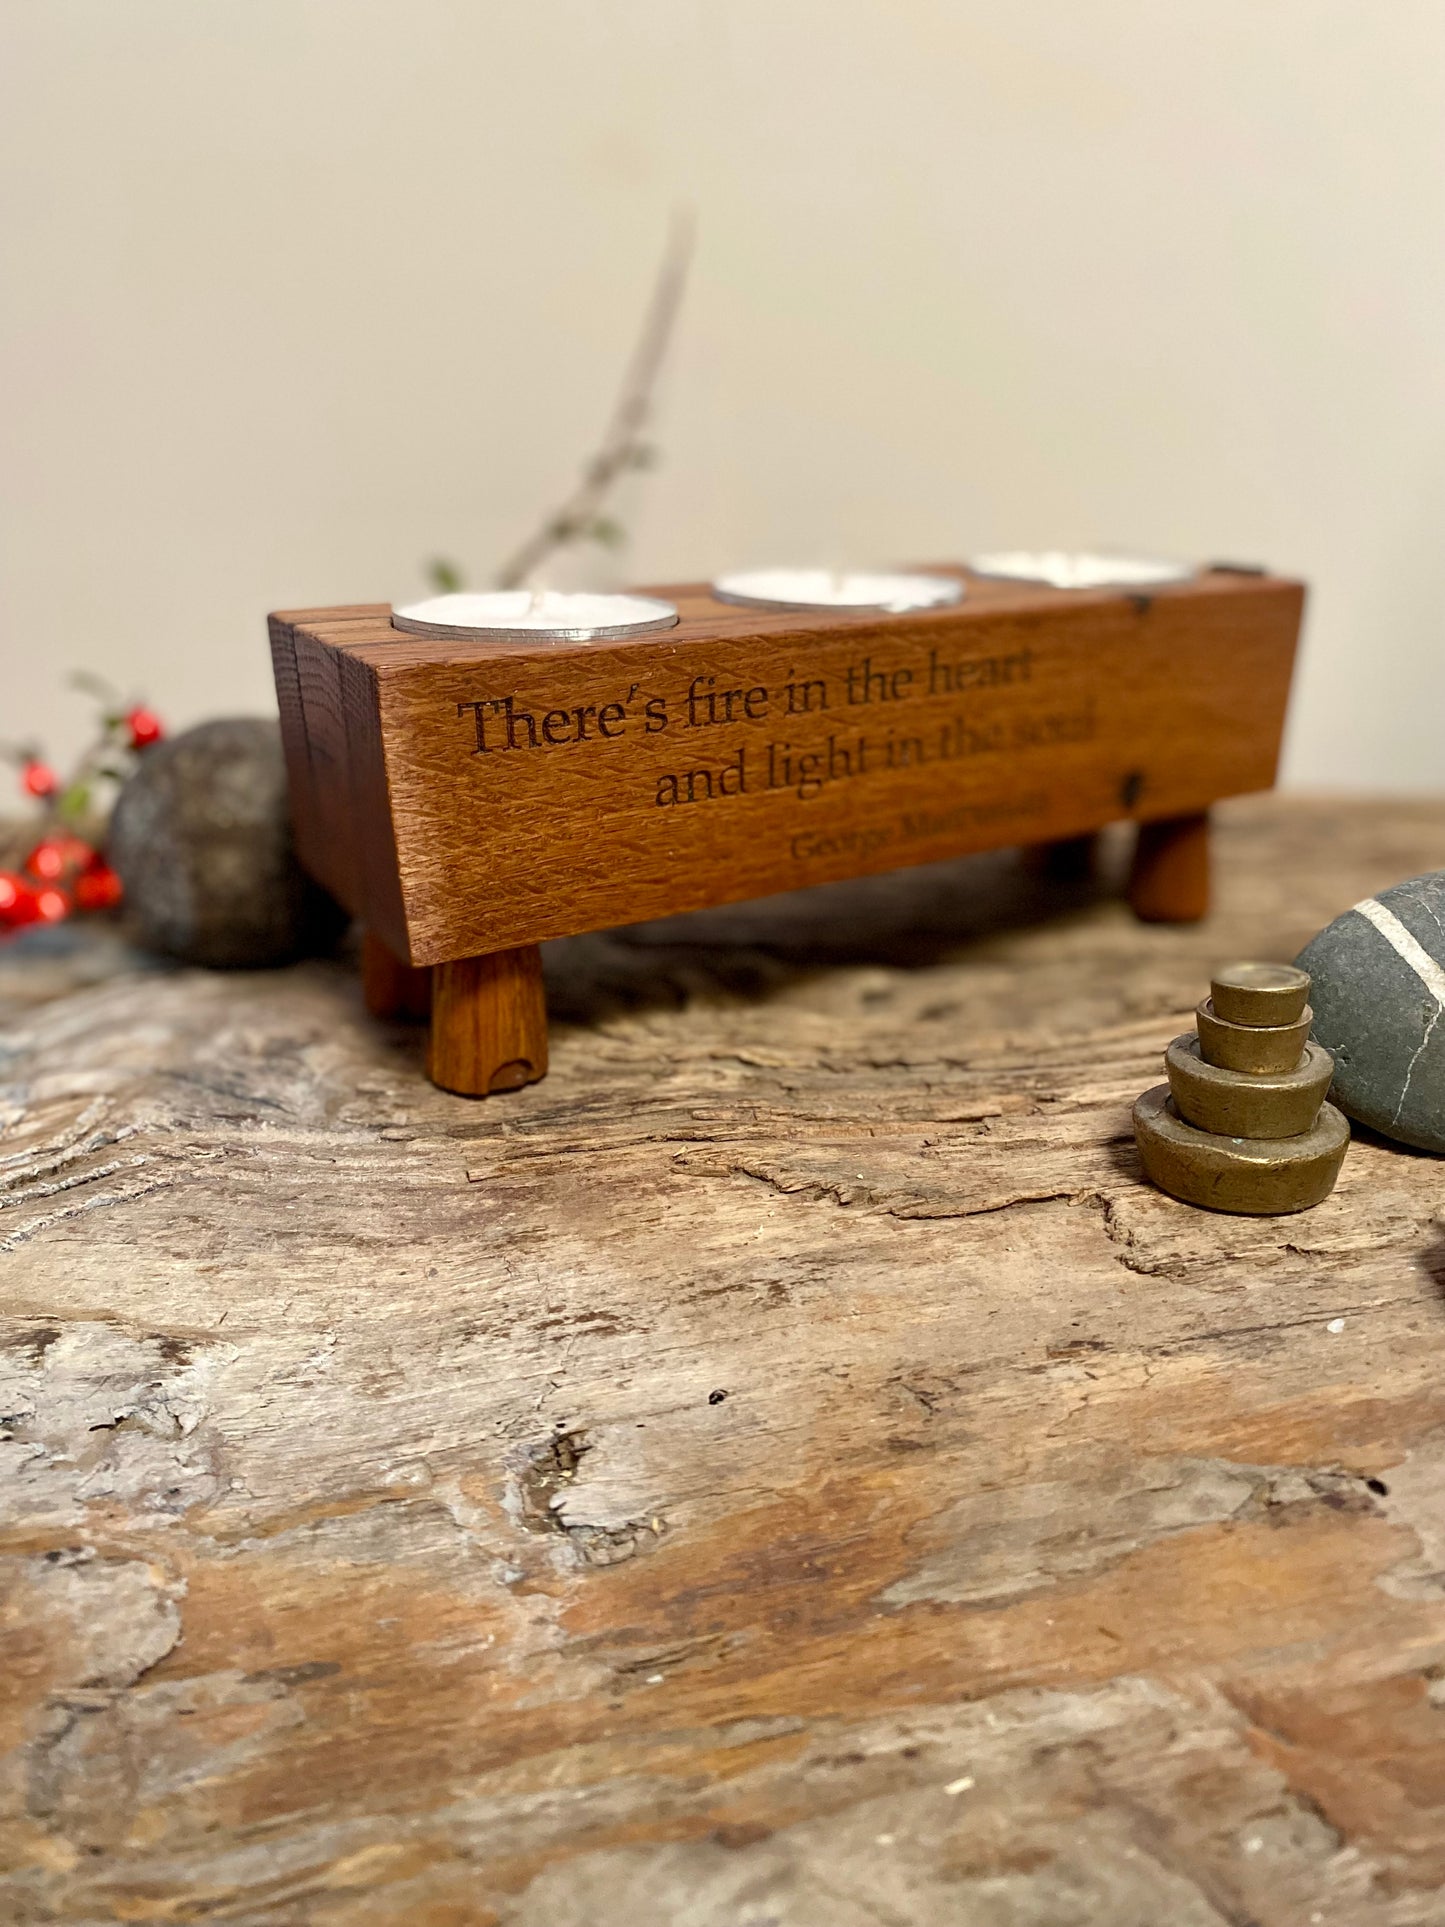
(468, 797)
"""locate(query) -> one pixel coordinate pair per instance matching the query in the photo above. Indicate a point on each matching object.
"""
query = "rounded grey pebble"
(1380, 1010)
(201, 839)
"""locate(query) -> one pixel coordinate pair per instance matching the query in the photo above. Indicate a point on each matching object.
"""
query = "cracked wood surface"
(785, 1468)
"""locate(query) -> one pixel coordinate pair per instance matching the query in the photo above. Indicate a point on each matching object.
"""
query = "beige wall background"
(300, 292)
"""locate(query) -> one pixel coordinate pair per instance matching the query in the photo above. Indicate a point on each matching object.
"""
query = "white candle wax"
(827, 589)
(540, 614)
(1062, 570)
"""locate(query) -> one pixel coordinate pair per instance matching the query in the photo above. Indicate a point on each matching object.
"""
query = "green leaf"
(604, 530)
(94, 685)
(444, 575)
(74, 801)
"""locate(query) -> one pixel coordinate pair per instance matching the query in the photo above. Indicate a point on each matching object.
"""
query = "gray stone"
(201, 838)
(1378, 991)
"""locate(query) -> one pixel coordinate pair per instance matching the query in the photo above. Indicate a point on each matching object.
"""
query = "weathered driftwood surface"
(785, 1468)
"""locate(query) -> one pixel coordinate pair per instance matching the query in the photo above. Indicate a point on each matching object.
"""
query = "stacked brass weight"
(1242, 1125)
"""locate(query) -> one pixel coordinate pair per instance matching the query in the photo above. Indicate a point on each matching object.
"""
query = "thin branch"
(622, 447)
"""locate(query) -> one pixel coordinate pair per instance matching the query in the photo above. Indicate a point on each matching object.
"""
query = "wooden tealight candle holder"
(469, 798)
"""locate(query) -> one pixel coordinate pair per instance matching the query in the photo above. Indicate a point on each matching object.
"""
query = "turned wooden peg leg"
(1069, 859)
(1169, 882)
(488, 1023)
(389, 987)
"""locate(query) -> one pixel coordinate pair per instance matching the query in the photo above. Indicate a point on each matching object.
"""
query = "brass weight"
(1256, 1177)
(1251, 1047)
(1242, 1125)
(1260, 995)
(1232, 1104)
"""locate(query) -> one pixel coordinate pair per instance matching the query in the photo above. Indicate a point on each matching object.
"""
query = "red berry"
(51, 905)
(52, 857)
(17, 899)
(38, 779)
(97, 887)
(145, 727)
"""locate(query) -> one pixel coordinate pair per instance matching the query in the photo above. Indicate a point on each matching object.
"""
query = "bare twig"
(580, 517)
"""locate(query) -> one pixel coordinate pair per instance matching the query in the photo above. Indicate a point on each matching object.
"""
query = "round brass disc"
(1259, 994)
(1238, 1104)
(1251, 1047)
(1261, 1177)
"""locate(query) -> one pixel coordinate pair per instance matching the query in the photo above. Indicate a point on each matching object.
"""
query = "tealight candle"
(826, 589)
(1062, 570)
(535, 614)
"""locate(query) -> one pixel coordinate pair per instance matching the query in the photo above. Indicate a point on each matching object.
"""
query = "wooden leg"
(1069, 860)
(488, 1023)
(390, 987)
(1169, 882)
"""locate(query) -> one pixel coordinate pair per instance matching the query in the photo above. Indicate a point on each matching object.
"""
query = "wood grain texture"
(1170, 878)
(336, 788)
(494, 794)
(785, 1467)
(488, 1023)
(282, 636)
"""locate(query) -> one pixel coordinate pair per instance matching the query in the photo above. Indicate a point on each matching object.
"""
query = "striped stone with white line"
(1378, 994)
